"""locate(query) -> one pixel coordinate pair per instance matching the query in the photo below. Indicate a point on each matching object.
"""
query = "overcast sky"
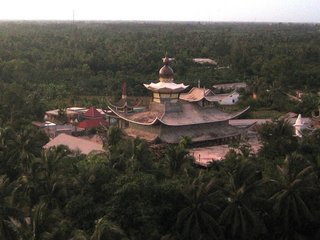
(164, 10)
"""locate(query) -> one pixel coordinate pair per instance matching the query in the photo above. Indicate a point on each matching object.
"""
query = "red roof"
(91, 123)
(93, 113)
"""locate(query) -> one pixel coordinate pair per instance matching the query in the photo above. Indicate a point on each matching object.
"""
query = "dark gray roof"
(189, 114)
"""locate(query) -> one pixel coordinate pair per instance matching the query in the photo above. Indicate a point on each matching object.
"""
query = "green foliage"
(106, 230)
(277, 138)
(128, 193)
(114, 136)
(289, 203)
(132, 206)
(239, 197)
(43, 66)
(308, 105)
(178, 158)
(131, 192)
(197, 219)
(11, 218)
(273, 114)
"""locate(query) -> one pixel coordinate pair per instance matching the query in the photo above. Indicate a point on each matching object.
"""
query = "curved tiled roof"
(142, 118)
(193, 114)
(195, 94)
(190, 114)
(220, 97)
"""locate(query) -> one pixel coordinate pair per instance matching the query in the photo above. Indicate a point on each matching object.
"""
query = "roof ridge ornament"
(166, 60)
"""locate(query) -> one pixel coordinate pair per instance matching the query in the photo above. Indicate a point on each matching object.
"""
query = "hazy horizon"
(272, 11)
(149, 21)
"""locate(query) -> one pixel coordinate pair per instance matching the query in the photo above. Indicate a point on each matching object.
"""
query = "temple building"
(173, 114)
(205, 97)
(92, 118)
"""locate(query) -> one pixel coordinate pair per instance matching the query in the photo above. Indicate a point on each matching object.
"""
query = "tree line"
(94, 58)
(132, 192)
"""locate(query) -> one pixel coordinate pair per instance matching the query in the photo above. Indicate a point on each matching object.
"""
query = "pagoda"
(165, 91)
(169, 117)
(92, 119)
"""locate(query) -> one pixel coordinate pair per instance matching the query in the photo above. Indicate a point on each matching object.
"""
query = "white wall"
(230, 99)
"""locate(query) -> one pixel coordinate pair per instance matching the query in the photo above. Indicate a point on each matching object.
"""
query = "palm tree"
(11, 218)
(8, 166)
(114, 136)
(239, 218)
(141, 156)
(44, 186)
(41, 193)
(52, 161)
(38, 217)
(45, 179)
(197, 219)
(277, 139)
(177, 156)
(48, 224)
(52, 172)
(309, 148)
(289, 204)
(107, 230)
(6, 134)
(25, 146)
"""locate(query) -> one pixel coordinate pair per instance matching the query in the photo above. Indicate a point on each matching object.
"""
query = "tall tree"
(25, 146)
(239, 197)
(197, 220)
(290, 206)
(11, 218)
(277, 139)
(177, 156)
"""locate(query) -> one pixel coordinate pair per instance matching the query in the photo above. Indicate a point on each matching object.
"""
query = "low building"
(69, 114)
(93, 119)
(205, 61)
(226, 87)
(48, 127)
(205, 97)
(75, 144)
(64, 115)
(250, 126)
(225, 99)
(52, 129)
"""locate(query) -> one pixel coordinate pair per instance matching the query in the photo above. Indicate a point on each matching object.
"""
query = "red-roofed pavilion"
(92, 123)
(93, 113)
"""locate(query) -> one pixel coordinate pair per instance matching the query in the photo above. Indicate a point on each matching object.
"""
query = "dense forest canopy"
(65, 60)
(93, 58)
(133, 191)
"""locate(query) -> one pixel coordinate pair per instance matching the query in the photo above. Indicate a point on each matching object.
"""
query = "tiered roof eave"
(163, 118)
(166, 87)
